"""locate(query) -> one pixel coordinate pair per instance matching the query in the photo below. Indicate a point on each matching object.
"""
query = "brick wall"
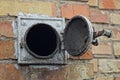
(99, 63)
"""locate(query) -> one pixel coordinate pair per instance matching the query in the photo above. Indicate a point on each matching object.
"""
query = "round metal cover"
(78, 35)
(42, 40)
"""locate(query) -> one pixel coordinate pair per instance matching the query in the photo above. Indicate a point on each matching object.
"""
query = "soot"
(76, 36)
(41, 39)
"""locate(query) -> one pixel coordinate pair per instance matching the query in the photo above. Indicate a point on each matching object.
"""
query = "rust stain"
(88, 55)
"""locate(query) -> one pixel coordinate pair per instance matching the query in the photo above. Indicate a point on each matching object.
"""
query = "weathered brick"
(95, 63)
(10, 72)
(102, 48)
(93, 2)
(37, 7)
(79, 71)
(117, 78)
(70, 10)
(104, 78)
(47, 74)
(34, 76)
(109, 65)
(68, 72)
(87, 55)
(6, 28)
(116, 48)
(98, 16)
(84, 0)
(115, 33)
(115, 18)
(7, 49)
(109, 4)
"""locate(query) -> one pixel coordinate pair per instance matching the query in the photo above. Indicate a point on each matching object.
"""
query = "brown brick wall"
(99, 63)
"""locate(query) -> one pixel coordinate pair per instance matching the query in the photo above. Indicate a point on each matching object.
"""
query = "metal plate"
(78, 35)
(26, 21)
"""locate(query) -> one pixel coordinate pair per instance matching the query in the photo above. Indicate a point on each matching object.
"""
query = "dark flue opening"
(41, 40)
(76, 36)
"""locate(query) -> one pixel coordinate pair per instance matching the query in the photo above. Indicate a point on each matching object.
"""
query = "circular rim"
(89, 41)
(38, 56)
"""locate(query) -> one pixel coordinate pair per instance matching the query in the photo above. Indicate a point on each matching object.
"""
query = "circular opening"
(42, 40)
(77, 36)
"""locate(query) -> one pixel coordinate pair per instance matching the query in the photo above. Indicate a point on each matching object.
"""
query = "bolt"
(23, 23)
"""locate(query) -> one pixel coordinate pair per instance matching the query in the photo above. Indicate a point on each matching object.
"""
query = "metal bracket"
(107, 33)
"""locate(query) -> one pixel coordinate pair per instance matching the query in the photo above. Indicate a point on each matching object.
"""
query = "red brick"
(117, 78)
(7, 49)
(98, 16)
(109, 4)
(67, 11)
(54, 10)
(6, 28)
(103, 48)
(10, 72)
(70, 10)
(87, 55)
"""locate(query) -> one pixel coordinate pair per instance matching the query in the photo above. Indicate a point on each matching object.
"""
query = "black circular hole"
(42, 40)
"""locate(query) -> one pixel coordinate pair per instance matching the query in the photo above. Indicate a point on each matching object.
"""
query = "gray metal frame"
(24, 22)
